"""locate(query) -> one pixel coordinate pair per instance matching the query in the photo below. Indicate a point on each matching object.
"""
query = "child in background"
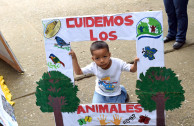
(107, 70)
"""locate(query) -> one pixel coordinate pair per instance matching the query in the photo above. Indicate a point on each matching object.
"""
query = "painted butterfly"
(144, 119)
(81, 121)
(88, 118)
(149, 52)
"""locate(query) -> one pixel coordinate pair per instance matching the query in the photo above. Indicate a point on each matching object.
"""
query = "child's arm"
(134, 66)
(76, 66)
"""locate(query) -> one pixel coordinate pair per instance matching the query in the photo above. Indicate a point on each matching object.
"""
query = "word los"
(103, 36)
(103, 21)
(128, 108)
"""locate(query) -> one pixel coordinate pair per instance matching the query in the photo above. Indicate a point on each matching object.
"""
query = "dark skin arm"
(76, 66)
(134, 66)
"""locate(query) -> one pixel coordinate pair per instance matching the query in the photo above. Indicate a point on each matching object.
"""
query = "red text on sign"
(129, 108)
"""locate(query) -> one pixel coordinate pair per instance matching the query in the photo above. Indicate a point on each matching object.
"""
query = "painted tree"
(159, 89)
(56, 93)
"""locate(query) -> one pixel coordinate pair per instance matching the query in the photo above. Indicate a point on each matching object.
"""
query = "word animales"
(104, 108)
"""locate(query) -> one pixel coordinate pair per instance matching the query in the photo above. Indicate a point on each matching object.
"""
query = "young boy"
(107, 70)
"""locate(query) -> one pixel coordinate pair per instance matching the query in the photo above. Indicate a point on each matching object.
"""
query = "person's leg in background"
(182, 19)
(182, 22)
(172, 20)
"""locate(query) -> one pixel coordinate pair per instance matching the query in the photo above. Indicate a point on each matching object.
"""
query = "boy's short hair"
(98, 45)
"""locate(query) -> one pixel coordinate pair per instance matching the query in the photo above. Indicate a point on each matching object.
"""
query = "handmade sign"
(8, 56)
(144, 27)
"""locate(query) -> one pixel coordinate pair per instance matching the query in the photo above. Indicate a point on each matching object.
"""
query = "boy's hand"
(72, 53)
(134, 66)
(76, 66)
(136, 59)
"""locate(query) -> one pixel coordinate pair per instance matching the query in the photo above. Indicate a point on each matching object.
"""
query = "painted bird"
(55, 59)
(61, 42)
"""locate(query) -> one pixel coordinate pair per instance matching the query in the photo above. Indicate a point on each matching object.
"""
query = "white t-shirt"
(108, 81)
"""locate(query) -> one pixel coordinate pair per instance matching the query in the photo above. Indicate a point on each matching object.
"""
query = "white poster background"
(145, 63)
(62, 55)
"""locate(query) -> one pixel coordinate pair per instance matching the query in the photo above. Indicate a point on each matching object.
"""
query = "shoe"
(127, 99)
(166, 39)
(178, 45)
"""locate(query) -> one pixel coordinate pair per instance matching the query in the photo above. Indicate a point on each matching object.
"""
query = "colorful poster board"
(144, 27)
(8, 56)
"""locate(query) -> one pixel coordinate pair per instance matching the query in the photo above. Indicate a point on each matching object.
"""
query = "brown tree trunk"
(55, 102)
(160, 107)
(58, 117)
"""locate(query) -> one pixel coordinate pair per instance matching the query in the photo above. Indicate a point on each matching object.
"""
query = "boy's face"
(102, 58)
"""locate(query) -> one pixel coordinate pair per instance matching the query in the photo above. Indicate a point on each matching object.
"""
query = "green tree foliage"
(159, 80)
(55, 91)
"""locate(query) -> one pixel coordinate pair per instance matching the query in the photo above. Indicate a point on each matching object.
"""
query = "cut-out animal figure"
(153, 28)
(141, 28)
(56, 59)
(61, 42)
